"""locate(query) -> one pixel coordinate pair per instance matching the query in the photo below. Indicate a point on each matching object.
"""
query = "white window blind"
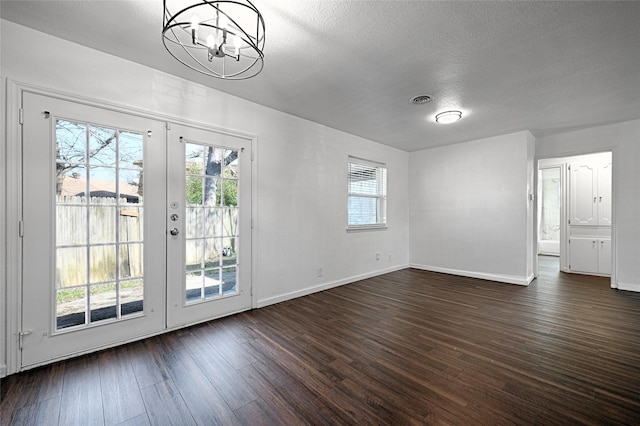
(367, 194)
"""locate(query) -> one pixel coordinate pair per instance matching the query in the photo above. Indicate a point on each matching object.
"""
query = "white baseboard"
(629, 287)
(3, 370)
(325, 286)
(510, 279)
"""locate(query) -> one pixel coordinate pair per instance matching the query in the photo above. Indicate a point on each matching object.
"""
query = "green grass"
(77, 293)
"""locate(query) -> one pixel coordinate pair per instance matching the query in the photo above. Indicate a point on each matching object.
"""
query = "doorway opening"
(574, 213)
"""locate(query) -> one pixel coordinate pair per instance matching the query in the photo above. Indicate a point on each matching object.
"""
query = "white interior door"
(604, 193)
(94, 228)
(209, 219)
(582, 194)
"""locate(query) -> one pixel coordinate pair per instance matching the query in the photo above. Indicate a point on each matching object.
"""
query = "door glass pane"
(102, 223)
(194, 286)
(102, 263)
(229, 280)
(102, 146)
(229, 251)
(212, 192)
(230, 222)
(212, 222)
(212, 252)
(211, 180)
(71, 266)
(131, 151)
(99, 221)
(194, 221)
(71, 224)
(71, 142)
(131, 261)
(194, 191)
(103, 299)
(131, 296)
(71, 306)
(230, 192)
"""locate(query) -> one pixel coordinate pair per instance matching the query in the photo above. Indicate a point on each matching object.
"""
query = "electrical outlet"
(377, 256)
(319, 272)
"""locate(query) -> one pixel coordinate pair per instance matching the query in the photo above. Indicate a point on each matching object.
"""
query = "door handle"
(174, 231)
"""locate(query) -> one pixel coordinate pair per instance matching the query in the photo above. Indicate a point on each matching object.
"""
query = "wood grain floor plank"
(121, 398)
(165, 405)
(42, 413)
(81, 402)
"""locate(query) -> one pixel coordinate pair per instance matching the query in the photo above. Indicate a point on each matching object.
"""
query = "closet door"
(583, 255)
(604, 194)
(604, 256)
(583, 198)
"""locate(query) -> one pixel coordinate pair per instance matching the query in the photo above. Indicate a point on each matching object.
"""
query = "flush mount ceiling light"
(222, 39)
(448, 117)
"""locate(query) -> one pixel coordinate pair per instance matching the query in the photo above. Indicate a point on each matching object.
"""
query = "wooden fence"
(210, 233)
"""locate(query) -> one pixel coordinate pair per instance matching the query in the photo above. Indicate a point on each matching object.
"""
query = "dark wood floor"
(410, 347)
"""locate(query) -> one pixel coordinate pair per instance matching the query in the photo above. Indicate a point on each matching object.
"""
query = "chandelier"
(222, 39)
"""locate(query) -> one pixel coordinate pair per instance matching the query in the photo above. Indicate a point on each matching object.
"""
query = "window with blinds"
(367, 194)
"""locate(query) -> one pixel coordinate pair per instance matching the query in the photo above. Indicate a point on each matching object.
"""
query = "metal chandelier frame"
(222, 39)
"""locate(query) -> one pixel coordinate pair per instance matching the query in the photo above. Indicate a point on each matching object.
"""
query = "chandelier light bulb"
(211, 41)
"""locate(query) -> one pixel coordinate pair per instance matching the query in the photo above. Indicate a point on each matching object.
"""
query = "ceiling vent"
(420, 99)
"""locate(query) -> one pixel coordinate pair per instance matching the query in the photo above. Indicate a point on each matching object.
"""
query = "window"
(367, 194)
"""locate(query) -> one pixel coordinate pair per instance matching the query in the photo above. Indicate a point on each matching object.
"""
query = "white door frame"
(562, 159)
(13, 204)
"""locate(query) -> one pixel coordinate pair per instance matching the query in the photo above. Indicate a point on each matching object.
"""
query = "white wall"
(469, 210)
(301, 182)
(3, 231)
(624, 140)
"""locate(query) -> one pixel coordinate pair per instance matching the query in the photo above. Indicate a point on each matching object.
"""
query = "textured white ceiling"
(353, 65)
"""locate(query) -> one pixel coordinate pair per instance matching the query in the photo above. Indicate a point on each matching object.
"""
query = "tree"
(216, 164)
(217, 159)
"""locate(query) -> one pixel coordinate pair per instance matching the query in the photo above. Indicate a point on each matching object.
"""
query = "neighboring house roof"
(98, 188)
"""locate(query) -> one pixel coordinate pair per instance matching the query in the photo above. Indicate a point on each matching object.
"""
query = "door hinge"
(21, 116)
(21, 335)
(569, 221)
(251, 155)
(251, 223)
(21, 228)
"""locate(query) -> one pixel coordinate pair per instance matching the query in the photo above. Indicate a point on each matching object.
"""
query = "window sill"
(360, 228)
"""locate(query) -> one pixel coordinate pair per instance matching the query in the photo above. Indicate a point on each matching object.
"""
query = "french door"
(126, 233)
(209, 211)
